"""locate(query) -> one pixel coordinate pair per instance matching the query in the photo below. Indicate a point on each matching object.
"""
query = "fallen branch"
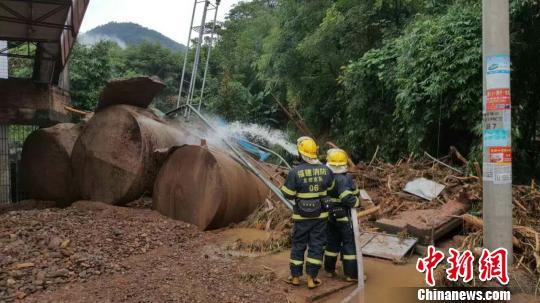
(443, 164)
(374, 156)
(368, 212)
(518, 204)
(458, 155)
(300, 125)
(478, 169)
(478, 223)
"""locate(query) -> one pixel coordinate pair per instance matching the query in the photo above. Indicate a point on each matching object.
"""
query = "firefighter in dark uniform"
(343, 197)
(307, 185)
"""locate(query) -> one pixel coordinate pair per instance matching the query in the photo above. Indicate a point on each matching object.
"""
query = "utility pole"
(497, 138)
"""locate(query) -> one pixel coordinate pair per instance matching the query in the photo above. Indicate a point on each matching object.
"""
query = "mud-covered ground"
(92, 252)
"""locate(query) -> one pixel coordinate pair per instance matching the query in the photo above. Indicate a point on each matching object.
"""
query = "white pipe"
(358, 295)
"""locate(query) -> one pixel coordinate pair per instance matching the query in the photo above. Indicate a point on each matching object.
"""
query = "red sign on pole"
(498, 99)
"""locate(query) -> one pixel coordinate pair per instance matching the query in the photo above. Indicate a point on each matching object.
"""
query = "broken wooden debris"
(428, 225)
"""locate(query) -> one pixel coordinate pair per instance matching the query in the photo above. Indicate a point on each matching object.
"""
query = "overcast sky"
(169, 17)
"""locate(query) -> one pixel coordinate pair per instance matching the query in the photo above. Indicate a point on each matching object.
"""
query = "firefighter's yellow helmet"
(307, 147)
(336, 157)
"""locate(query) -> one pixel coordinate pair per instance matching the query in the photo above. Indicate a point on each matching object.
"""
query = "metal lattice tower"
(203, 30)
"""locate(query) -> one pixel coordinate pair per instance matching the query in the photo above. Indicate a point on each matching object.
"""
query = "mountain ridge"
(129, 33)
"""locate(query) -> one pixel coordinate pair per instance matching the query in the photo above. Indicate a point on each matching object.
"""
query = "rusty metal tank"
(207, 188)
(115, 160)
(46, 163)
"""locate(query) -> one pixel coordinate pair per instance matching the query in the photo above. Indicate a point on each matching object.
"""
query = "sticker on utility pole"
(496, 137)
(498, 72)
(487, 171)
(501, 155)
(498, 99)
(501, 159)
(493, 120)
(502, 174)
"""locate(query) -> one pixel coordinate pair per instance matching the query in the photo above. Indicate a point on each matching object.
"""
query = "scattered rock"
(20, 295)
(65, 243)
(59, 273)
(24, 265)
(54, 243)
(42, 249)
(41, 275)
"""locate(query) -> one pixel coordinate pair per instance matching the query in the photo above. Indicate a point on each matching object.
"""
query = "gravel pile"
(44, 249)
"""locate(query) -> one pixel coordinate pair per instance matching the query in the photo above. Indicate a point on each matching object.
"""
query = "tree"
(90, 70)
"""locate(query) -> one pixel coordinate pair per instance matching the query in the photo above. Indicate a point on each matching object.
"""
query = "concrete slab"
(386, 246)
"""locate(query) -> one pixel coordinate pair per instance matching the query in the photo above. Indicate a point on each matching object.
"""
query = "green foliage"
(404, 75)
(236, 90)
(368, 99)
(525, 38)
(91, 67)
(423, 87)
(439, 79)
(21, 67)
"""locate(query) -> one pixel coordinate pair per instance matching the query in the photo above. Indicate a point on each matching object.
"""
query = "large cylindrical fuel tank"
(207, 188)
(114, 159)
(46, 163)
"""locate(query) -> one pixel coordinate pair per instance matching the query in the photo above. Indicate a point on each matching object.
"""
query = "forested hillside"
(127, 33)
(402, 75)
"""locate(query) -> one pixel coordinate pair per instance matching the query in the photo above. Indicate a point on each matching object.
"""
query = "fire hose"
(359, 291)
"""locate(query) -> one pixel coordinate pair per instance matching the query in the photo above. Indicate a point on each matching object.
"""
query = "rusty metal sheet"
(385, 246)
(138, 91)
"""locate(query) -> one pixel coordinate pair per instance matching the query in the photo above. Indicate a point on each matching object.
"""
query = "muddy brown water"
(384, 284)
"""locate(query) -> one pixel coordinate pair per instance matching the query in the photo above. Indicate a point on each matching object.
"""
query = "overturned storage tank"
(206, 188)
(114, 159)
(46, 163)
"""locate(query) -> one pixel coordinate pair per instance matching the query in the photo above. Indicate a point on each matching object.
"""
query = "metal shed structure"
(39, 35)
(50, 25)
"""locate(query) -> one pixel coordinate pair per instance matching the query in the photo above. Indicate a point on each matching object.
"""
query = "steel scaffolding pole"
(197, 58)
(208, 55)
(186, 55)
